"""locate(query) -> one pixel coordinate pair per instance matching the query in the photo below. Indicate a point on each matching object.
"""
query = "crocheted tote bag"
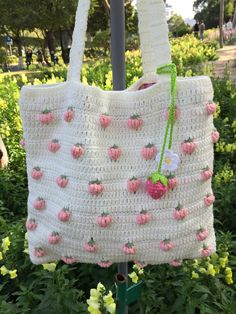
(118, 176)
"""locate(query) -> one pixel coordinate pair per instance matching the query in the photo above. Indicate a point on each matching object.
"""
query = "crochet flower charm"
(96, 187)
(129, 248)
(69, 114)
(143, 217)
(36, 173)
(46, 116)
(135, 122)
(90, 246)
(156, 185)
(149, 151)
(133, 185)
(202, 234)
(104, 220)
(170, 160)
(31, 224)
(105, 120)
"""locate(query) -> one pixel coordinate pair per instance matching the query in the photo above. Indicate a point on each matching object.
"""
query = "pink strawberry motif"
(31, 224)
(105, 263)
(96, 187)
(114, 152)
(22, 143)
(166, 245)
(54, 238)
(149, 151)
(104, 220)
(62, 181)
(176, 263)
(143, 217)
(206, 174)
(206, 250)
(177, 113)
(90, 246)
(105, 120)
(211, 108)
(69, 114)
(172, 182)
(209, 199)
(135, 122)
(64, 215)
(188, 146)
(39, 203)
(180, 212)
(68, 260)
(156, 186)
(77, 151)
(215, 136)
(36, 173)
(129, 248)
(54, 146)
(46, 116)
(39, 252)
(133, 185)
(140, 264)
(202, 234)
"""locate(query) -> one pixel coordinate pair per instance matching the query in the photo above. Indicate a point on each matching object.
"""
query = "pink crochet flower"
(36, 173)
(105, 263)
(211, 108)
(69, 260)
(77, 151)
(149, 151)
(143, 217)
(105, 120)
(188, 146)
(39, 252)
(177, 113)
(64, 214)
(206, 173)
(202, 234)
(39, 203)
(114, 152)
(166, 245)
(69, 114)
(104, 220)
(135, 122)
(209, 199)
(46, 116)
(62, 181)
(129, 248)
(172, 182)
(156, 186)
(180, 212)
(96, 187)
(176, 263)
(215, 136)
(170, 160)
(31, 224)
(206, 250)
(54, 146)
(133, 185)
(90, 246)
(54, 238)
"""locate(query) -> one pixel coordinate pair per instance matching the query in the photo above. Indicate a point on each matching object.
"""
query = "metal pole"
(222, 10)
(119, 83)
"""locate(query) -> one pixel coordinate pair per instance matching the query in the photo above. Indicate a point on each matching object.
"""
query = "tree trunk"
(234, 18)
(18, 43)
(64, 50)
(222, 10)
(50, 43)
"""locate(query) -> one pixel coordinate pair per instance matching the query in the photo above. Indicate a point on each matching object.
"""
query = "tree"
(177, 25)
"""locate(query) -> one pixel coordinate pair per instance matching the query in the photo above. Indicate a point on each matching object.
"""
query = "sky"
(182, 7)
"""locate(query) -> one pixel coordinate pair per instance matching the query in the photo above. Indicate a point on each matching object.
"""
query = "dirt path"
(227, 59)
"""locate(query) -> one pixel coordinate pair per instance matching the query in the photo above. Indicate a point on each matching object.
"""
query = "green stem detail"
(168, 69)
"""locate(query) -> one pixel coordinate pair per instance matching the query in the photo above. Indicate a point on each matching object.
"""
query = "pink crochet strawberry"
(176, 263)
(36, 173)
(114, 152)
(206, 173)
(54, 238)
(64, 215)
(69, 114)
(143, 217)
(202, 234)
(77, 151)
(46, 116)
(206, 250)
(188, 146)
(209, 199)
(105, 120)
(39, 203)
(135, 122)
(54, 146)
(180, 212)
(166, 245)
(105, 263)
(62, 181)
(104, 220)
(172, 182)
(156, 185)
(140, 264)
(39, 252)
(129, 248)
(134, 184)
(149, 151)
(215, 136)
(177, 113)
(69, 260)
(211, 108)
(90, 246)
(31, 224)
(95, 187)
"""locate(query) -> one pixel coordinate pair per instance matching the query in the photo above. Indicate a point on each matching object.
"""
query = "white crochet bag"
(90, 152)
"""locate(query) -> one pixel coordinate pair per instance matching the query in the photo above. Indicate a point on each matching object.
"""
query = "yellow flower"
(111, 308)
(195, 263)
(214, 257)
(134, 277)
(50, 266)
(138, 269)
(217, 269)
(93, 304)
(13, 273)
(194, 275)
(4, 270)
(229, 280)
(109, 303)
(211, 271)
(223, 261)
(202, 270)
(100, 287)
(108, 299)
(94, 294)
(1, 257)
(5, 244)
(228, 271)
(93, 310)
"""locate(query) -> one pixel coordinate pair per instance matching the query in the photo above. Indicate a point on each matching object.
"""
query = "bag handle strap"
(153, 31)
